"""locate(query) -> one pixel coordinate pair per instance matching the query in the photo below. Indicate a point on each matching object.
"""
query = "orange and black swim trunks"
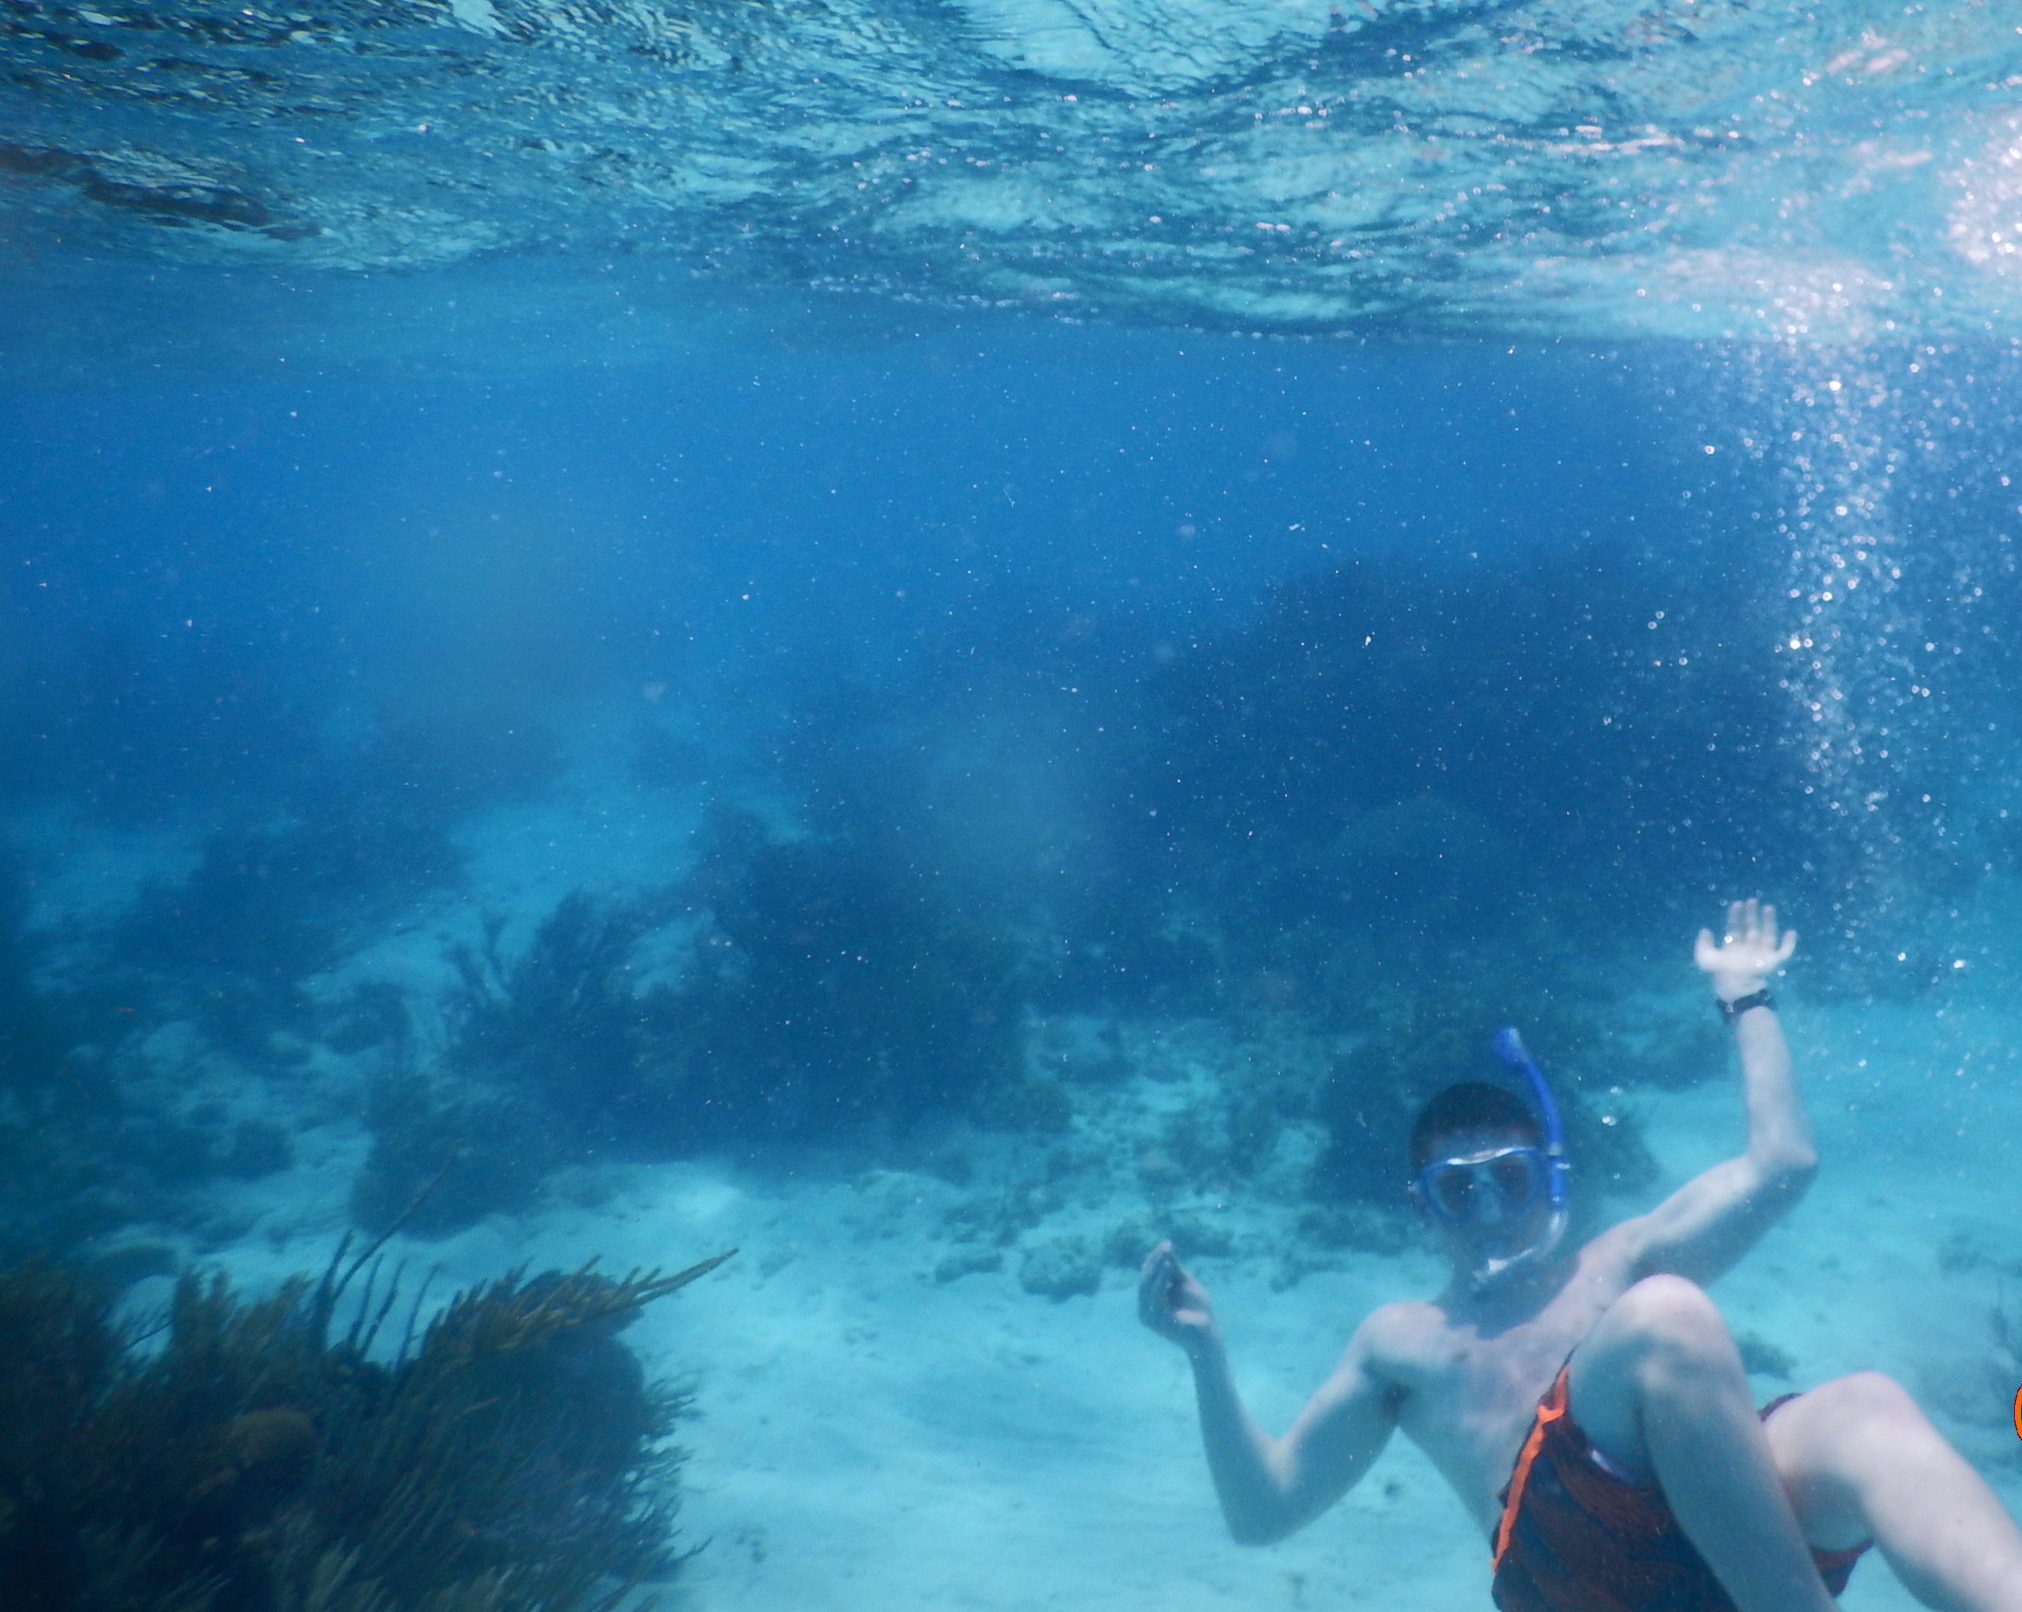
(1576, 1538)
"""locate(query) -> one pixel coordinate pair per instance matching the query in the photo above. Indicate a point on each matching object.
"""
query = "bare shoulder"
(1397, 1341)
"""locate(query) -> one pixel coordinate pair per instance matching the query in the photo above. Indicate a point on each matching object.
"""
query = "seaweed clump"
(549, 1059)
(792, 991)
(261, 1459)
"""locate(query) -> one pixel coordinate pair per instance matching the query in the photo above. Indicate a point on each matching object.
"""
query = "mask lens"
(1453, 1187)
(1515, 1178)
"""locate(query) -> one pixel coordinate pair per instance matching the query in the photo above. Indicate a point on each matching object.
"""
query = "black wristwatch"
(1730, 1011)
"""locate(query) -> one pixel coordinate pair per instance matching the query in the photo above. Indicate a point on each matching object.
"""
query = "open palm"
(1749, 950)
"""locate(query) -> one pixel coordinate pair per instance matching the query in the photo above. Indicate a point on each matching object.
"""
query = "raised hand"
(1749, 951)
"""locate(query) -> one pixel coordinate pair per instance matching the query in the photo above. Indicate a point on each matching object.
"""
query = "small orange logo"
(2018, 1413)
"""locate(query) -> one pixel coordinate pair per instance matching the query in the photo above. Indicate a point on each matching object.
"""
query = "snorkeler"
(1587, 1402)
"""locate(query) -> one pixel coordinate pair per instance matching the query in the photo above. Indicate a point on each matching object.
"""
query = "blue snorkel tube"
(1509, 1049)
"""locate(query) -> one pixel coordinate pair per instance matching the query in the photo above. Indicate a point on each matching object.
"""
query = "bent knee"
(1668, 1309)
(1862, 1398)
(1671, 1320)
(1832, 1440)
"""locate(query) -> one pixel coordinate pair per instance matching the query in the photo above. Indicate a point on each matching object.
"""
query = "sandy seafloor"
(869, 1437)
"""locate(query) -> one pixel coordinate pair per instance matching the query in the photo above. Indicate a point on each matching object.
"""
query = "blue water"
(342, 544)
(655, 652)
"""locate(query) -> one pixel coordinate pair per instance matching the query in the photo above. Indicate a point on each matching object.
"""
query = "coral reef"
(259, 1457)
(817, 990)
(837, 983)
(2004, 1321)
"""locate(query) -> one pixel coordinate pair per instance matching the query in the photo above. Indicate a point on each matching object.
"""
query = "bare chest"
(1475, 1381)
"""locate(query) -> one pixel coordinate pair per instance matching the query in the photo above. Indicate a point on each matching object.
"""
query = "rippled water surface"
(1598, 167)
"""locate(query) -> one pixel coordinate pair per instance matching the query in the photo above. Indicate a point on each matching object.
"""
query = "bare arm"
(1715, 1218)
(1270, 1487)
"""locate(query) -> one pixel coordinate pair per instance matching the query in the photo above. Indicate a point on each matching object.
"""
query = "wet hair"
(1473, 1105)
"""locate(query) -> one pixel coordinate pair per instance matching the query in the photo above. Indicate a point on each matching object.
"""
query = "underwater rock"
(1061, 1268)
(1127, 1244)
(1761, 1358)
(967, 1259)
(1194, 1235)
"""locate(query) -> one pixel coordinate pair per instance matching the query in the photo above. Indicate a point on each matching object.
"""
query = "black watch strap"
(1730, 1011)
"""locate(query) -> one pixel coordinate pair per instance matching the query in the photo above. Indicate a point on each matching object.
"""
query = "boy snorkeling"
(1587, 1402)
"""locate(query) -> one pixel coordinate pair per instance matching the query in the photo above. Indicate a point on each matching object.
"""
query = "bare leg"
(1862, 1462)
(1659, 1388)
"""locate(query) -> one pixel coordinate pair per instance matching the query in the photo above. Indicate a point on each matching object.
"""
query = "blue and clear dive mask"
(1458, 1191)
